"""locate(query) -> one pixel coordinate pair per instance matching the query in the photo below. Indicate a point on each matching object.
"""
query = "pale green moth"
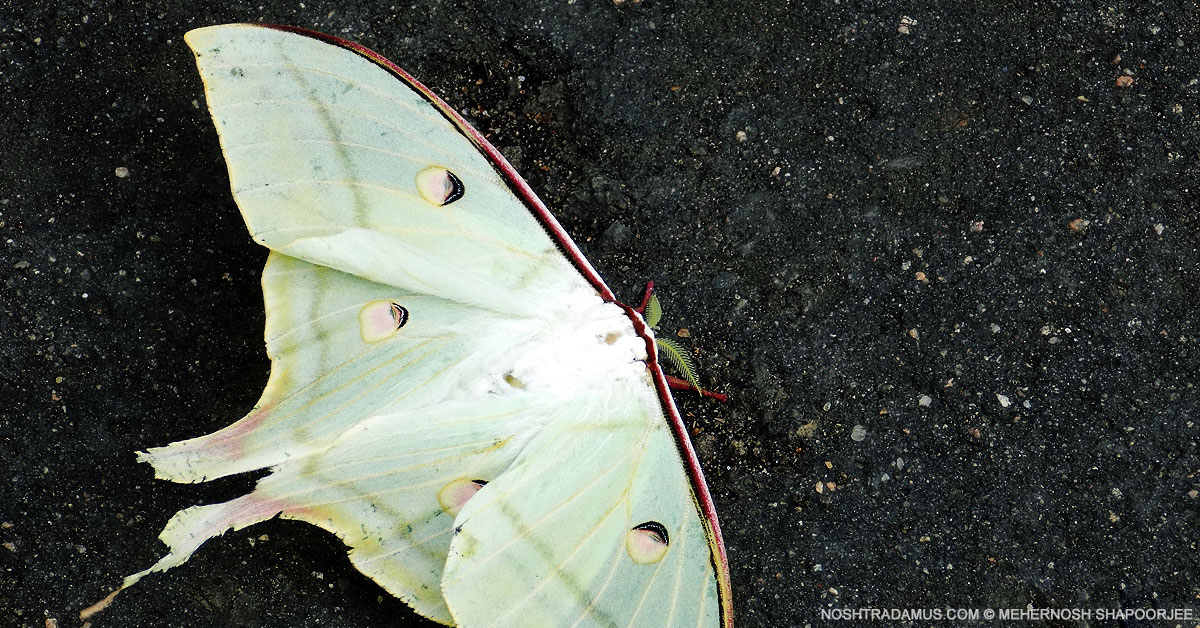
(454, 392)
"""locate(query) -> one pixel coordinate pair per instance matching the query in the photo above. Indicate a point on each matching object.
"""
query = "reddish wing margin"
(571, 250)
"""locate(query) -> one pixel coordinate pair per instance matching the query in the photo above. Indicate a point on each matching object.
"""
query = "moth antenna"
(680, 360)
(651, 309)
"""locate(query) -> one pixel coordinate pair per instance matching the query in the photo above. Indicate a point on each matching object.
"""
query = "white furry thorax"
(581, 341)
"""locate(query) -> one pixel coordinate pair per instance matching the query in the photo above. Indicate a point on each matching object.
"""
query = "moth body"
(585, 341)
(454, 391)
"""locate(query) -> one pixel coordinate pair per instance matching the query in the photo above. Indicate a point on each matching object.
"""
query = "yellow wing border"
(687, 453)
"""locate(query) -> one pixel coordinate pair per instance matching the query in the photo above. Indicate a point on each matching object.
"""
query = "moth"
(454, 391)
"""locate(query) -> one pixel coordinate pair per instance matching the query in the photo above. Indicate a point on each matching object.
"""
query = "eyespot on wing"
(380, 320)
(439, 186)
(647, 542)
(455, 495)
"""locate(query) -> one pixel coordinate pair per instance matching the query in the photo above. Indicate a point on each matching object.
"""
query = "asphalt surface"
(941, 255)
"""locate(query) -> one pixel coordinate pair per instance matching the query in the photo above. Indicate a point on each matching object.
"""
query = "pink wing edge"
(568, 246)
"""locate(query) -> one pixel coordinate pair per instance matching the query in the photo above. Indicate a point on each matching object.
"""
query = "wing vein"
(560, 567)
(421, 109)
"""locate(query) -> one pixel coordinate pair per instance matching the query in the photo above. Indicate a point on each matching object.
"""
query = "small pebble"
(925, 401)
(1004, 402)
(858, 434)
(617, 234)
